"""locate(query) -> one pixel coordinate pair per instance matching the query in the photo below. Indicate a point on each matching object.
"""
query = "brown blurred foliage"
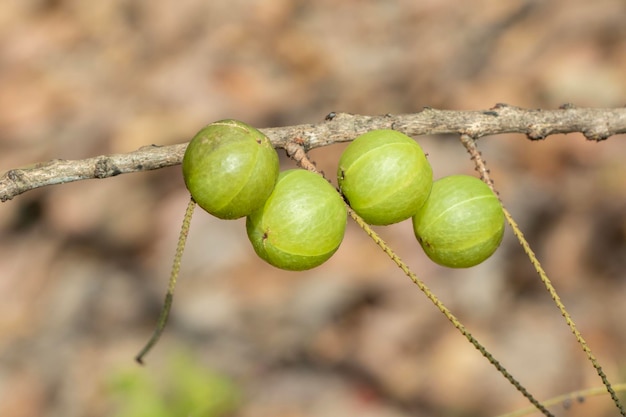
(83, 266)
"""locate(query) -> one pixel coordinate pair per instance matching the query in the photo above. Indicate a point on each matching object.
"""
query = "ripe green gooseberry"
(384, 176)
(462, 222)
(301, 224)
(230, 168)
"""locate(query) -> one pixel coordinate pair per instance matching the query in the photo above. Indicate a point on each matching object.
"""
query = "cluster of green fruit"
(296, 220)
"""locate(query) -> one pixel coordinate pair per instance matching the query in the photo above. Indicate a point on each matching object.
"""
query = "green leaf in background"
(183, 387)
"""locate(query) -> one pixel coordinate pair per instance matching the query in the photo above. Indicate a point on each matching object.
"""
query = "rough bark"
(594, 123)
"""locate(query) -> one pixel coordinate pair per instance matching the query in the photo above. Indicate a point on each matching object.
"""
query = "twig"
(594, 124)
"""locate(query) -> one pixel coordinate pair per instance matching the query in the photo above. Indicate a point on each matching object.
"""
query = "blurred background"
(84, 266)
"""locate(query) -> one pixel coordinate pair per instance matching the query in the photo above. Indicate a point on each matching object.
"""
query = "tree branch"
(594, 124)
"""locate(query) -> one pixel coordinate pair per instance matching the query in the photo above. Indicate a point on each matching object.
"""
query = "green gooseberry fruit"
(301, 224)
(384, 176)
(462, 222)
(230, 168)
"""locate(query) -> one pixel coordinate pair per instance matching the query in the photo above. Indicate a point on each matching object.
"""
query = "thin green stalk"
(566, 400)
(169, 297)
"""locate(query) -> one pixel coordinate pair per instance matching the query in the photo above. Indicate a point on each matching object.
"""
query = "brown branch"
(594, 124)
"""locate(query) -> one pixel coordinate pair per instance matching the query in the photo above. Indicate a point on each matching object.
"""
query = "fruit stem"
(481, 167)
(169, 297)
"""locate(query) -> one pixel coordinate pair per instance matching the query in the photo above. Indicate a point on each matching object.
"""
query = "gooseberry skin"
(462, 222)
(384, 176)
(230, 168)
(302, 223)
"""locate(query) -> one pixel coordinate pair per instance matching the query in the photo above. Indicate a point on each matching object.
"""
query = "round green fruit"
(301, 224)
(384, 176)
(230, 169)
(462, 222)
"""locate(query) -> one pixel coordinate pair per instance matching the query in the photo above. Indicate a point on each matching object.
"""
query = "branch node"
(536, 133)
(15, 175)
(595, 135)
(105, 168)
